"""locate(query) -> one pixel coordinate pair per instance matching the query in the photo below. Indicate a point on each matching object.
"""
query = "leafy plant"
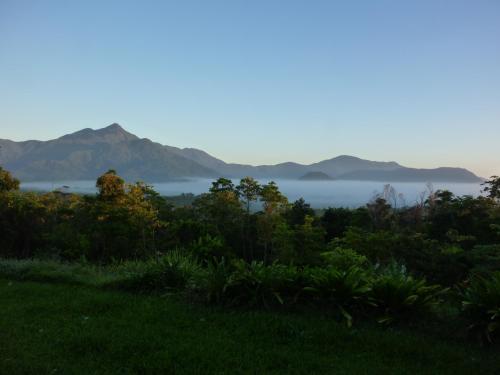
(481, 305)
(343, 258)
(345, 289)
(213, 281)
(257, 284)
(397, 294)
(175, 270)
(207, 247)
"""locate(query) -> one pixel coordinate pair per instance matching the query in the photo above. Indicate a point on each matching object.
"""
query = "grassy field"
(64, 329)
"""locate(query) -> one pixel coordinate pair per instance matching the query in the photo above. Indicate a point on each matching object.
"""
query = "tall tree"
(274, 204)
(110, 185)
(7, 181)
(249, 190)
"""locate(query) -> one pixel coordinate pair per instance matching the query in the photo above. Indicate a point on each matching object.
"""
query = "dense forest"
(246, 244)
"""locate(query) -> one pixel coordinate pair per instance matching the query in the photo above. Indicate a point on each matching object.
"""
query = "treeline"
(443, 237)
(253, 230)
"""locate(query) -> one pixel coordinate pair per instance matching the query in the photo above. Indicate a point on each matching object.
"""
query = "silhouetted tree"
(492, 187)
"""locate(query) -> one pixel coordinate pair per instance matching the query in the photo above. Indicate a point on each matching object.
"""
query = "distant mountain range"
(88, 153)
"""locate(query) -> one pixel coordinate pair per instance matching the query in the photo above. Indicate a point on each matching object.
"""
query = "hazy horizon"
(262, 82)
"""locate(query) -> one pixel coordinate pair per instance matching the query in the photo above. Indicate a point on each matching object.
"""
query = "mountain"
(87, 153)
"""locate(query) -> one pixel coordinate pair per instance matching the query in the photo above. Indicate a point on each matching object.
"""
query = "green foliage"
(256, 284)
(381, 214)
(272, 198)
(212, 283)
(298, 213)
(208, 247)
(7, 181)
(23, 221)
(345, 289)
(483, 259)
(336, 221)
(342, 259)
(398, 295)
(110, 186)
(481, 305)
(173, 271)
(279, 254)
(309, 242)
(378, 247)
(283, 243)
(249, 190)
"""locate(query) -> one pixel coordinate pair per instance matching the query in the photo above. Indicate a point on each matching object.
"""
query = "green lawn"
(62, 329)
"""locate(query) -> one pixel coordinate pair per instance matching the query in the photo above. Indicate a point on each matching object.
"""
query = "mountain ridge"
(87, 153)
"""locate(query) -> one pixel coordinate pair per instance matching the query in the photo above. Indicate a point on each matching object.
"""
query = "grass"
(51, 328)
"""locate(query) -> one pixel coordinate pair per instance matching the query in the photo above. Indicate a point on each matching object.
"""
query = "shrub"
(213, 281)
(397, 295)
(484, 259)
(175, 270)
(257, 284)
(343, 259)
(208, 247)
(345, 289)
(481, 305)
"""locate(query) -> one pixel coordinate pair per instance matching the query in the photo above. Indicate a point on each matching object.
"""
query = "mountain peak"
(114, 127)
(113, 133)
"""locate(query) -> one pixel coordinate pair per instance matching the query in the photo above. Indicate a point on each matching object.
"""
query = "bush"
(484, 259)
(343, 259)
(208, 247)
(481, 305)
(397, 295)
(345, 289)
(256, 284)
(213, 281)
(173, 271)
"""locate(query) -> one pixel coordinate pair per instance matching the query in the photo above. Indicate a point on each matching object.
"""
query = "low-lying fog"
(319, 194)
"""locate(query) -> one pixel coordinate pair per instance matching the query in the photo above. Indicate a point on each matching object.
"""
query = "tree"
(336, 221)
(110, 186)
(274, 203)
(222, 185)
(309, 242)
(7, 181)
(273, 200)
(381, 213)
(248, 189)
(492, 188)
(220, 212)
(298, 211)
(123, 219)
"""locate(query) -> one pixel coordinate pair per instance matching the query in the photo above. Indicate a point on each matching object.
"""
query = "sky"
(262, 82)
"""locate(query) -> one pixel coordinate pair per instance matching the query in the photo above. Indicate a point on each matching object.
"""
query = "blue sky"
(262, 81)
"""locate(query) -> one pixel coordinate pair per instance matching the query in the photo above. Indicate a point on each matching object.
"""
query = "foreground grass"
(72, 329)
